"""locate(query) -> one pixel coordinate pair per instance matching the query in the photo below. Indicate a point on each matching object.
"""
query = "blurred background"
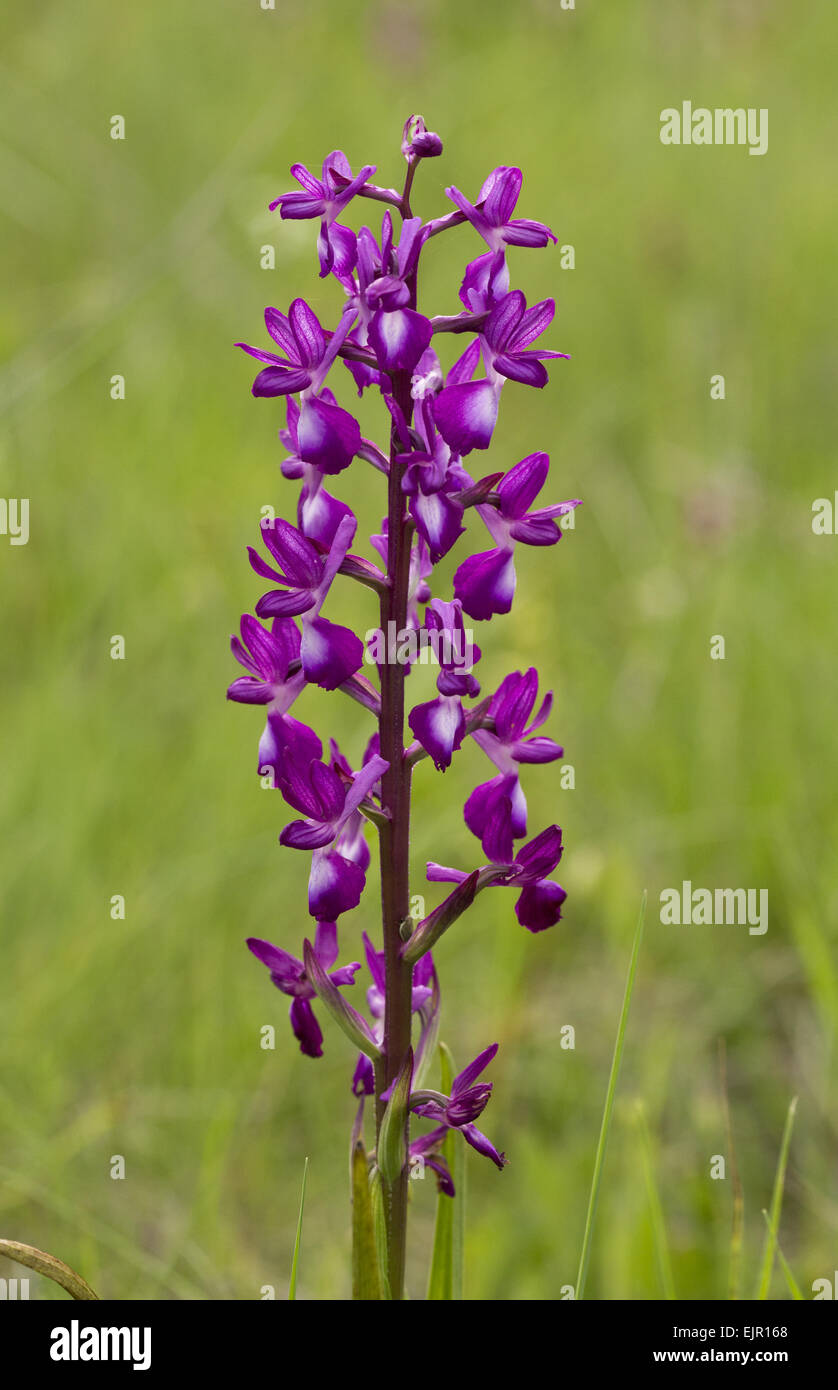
(141, 1037)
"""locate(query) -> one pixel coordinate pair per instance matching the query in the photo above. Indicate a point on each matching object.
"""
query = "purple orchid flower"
(327, 435)
(418, 142)
(458, 1111)
(286, 737)
(289, 976)
(440, 724)
(540, 899)
(380, 298)
(269, 657)
(512, 742)
(276, 679)
(329, 653)
(433, 421)
(492, 216)
(485, 583)
(329, 803)
(466, 1102)
(467, 412)
(326, 198)
(485, 282)
(318, 513)
(431, 476)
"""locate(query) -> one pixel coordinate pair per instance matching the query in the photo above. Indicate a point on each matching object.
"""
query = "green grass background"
(141, 257)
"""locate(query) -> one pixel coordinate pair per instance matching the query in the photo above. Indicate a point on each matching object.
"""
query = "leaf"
(46, 1264)
(776, 1206)
(446, 1276)
(366, 1282)
(392, 1145)
(292, 1287)
(613, 1078)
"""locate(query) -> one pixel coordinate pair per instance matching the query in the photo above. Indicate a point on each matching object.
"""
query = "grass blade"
(366, 1283)
(655, 1208)
(609, 1105)
(794, 1287)
(776, 1206)
(46, 1264)
(737, 1228)
(446, 1276)
(292, 1287)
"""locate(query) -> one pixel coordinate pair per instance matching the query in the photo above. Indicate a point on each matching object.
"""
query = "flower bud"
(417, 142)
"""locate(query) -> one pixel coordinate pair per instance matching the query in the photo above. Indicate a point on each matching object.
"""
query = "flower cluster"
(436, 419)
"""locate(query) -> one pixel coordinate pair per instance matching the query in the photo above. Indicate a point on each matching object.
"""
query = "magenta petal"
(308, 181)
(522, 232)
(298, 206)
(297, 558)
(500, 193)
(465, 366)
(522, 484)
(466, 415)
(532, 323)
(284, 603)
(319, 515)
(330, 653)
(284, 968)
(280, 330)
(335, 885)
(486, 280)
(540, 856)
(328, 436)
(344, 249)
(539, 905)
(363, 1078)
(306, 834)
(438, 520)
(485, 583)
(279, 381)
(486, 804)
(537, 750)
(536, 531)
(311, 344)
(245, 690)
(478, 1141)
(439, 726)
(306, 1028)
(398, 338)
(504, 319)
(527, 370)
(469, 1074)
(440, 873)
